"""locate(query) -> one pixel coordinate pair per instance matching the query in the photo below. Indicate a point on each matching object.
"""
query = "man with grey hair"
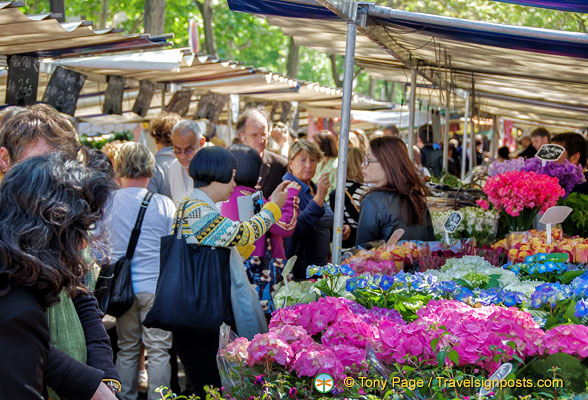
(252, 130)
(174, 181)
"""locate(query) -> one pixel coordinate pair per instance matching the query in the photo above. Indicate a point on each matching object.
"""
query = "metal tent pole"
(472, 143)
(494, 143)
(412, 113)
(464, 147)
(446, 133)
(344, 132)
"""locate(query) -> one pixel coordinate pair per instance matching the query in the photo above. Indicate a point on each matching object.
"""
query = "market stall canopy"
(44, 36)
(580, 6)
(178, 69)
(526, 64)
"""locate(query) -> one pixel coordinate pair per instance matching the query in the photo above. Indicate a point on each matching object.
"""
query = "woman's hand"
(322, 189)
(346, 232)
(103, 393)
(294, 185)
(280, 194)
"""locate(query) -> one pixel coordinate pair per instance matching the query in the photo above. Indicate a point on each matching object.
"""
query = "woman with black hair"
(213, 171)
(264, 265)
(45, 203)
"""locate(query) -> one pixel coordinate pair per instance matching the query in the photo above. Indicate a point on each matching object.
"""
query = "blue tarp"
(529, 39)
(282, 8)
(580, 6)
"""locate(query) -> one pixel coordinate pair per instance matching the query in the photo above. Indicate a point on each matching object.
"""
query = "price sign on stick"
(554, 215)
(549, 152)
(398, 233)
(288, 268)
(500, 374)
(451, 224)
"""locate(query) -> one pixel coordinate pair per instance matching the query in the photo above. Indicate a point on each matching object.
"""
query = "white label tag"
(452, 222)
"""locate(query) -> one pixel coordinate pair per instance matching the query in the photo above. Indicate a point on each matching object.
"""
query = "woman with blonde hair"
(312, 235)
(354, 191)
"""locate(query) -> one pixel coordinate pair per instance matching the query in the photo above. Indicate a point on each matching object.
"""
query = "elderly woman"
(46, 203)
(311, 238)
(134, 166)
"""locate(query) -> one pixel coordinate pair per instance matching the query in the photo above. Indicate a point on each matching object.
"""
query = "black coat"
(273, 168)
(24, 344)
(380, 215)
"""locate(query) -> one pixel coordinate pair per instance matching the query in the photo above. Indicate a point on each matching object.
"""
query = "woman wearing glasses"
(398, 199)
(312, 235)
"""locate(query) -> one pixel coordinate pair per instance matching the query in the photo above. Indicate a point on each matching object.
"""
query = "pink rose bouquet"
(520, 195)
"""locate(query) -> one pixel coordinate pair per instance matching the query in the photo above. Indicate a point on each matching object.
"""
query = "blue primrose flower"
(345, 269)
(581, 308)
(351, 284)
(529, 259)
(311, 271)
(362, 283)
(374, 281)
(386, 282)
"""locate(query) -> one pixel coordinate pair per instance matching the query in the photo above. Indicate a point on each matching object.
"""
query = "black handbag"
(114, 287)
(194, 285)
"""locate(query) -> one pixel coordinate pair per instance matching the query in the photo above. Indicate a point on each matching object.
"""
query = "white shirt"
(158, 220)
(180, 182)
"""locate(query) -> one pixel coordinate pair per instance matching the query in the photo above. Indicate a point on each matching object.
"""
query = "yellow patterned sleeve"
(208, 227)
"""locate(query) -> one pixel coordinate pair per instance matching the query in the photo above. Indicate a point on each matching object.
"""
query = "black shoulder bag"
(114, 287)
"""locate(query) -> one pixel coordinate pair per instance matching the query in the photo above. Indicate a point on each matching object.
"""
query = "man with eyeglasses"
(252, 130)
(175, 182)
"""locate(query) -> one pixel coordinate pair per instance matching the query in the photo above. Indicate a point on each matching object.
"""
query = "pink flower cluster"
(386, 267)
(345, 329)
(515, 190)
(569, 339)
(331, 336)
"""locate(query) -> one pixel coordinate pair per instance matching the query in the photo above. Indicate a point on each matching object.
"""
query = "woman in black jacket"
(47, 207)
(398, 200)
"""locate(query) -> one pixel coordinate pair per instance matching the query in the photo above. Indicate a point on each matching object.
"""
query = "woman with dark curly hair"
(47, 206)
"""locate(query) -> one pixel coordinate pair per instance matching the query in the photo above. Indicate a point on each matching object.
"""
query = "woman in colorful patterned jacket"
(265, 264)
(213, 170)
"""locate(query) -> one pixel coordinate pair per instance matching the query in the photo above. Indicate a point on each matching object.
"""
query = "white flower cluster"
(477, 223)
(463, 268)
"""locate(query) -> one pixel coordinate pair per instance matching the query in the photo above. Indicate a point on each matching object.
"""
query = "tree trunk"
(372, 88)
(103, 14)
(205, 8)
(154, 17)
(293, 56)
(336, 76)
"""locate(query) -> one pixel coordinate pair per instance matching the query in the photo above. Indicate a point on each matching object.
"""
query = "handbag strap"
(137, 229)
(352, 201)
(179, 223)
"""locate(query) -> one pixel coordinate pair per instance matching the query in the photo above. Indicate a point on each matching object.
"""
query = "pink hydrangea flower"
(269, 347)
(236, 351)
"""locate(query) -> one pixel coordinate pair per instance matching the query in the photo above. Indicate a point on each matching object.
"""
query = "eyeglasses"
(187, 151)
(367, 161)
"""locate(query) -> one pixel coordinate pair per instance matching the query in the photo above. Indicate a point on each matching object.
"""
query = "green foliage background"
(252, 41)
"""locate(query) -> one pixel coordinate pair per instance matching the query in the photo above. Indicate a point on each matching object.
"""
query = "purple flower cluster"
(568, 174)
(498, 168)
